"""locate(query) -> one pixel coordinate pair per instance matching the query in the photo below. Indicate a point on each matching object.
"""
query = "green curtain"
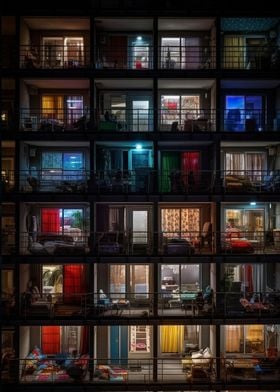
(170, 161)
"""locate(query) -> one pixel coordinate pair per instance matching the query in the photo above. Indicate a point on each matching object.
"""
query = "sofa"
(110, 373)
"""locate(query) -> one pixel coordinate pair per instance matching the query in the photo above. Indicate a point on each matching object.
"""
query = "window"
(249, 221)
(251, 164)
(138, 280)
(180, 222)
(244, 339)
(179, 108)
(52, 279)
(185, 277)
(62, 52)
(140, 339)
(181, 52)
(64, 220)
(243, 113)
(62, 166)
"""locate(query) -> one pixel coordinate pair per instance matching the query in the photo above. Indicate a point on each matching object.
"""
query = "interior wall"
(102, 342)
(24, 341)
(24, 95)
(35, 337)
(24, 33)
(24, 277)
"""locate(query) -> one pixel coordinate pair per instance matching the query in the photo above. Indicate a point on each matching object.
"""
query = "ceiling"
(248, 24)
(124, 83)
(59, 83)
(250, 84)
(124, 24)
(185, 83)
(46, 23)
(57, 143)
(182, 143)
(248, 144)
(124, 144)
(191, 24)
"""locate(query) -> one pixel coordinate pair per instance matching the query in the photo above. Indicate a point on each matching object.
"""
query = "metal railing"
(169, 302)
(125, 120)
(250, 181)
(54, 120)
(187, 57)
(187, 120)
(240, 120)
(54, 180)
(138, 57)
(234, 368)
(54, 56)
(263, 57)
(144, 180)
(176, 243)
(70, 242)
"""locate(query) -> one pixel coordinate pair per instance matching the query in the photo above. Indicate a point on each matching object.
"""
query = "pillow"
(207, 353)
(197, 354)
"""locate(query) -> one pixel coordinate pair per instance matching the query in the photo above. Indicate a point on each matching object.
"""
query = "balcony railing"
(234, 368)
(125, 120)
(54, 56)
(54, 180)
(114, 243)
(54, 120)
(248, 57)
(187, 120)
(170, 302)
(137, 58)
(71, 242)
(245, 120)
(187, 57)
(251, 181)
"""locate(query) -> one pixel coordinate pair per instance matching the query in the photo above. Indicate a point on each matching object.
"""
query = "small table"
(119, 305)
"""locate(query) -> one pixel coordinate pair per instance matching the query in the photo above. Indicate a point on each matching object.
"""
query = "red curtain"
(249, 278)
(50, 340)
(191, 161)
(190, 166)
(50, 221)
(84, 340)
(74, 282)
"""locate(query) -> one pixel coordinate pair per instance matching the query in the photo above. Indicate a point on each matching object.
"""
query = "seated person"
(103, 299)
(112, 118)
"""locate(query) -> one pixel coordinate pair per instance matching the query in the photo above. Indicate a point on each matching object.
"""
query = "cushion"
(197, 354)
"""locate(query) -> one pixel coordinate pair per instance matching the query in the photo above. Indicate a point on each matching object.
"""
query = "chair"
(174, 126)
(206, 235)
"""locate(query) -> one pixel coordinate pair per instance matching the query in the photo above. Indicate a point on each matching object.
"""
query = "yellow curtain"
(172, 338)
(234, 335)
(234, 52)
(52, 106)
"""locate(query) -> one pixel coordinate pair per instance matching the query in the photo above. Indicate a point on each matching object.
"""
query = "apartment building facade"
(140, 224)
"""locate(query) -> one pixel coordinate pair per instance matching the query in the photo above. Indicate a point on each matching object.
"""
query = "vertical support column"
(91, 351)
(92, 105)
(218, 352)
(155, 43)
(18, 227)
(219, 48)
(155, 353)
(17, 291)
(155, 105)
(92, 48)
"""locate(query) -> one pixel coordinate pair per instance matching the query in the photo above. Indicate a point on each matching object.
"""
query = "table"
(120, 305)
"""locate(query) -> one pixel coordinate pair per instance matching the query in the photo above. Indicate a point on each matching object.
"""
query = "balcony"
(54, 180)
(188, 370)
(250, 181)
(54, 120)
(125, 120)
(187, 120)
(55, 57)
(129, 57)
(186, 57)
(73, 242)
